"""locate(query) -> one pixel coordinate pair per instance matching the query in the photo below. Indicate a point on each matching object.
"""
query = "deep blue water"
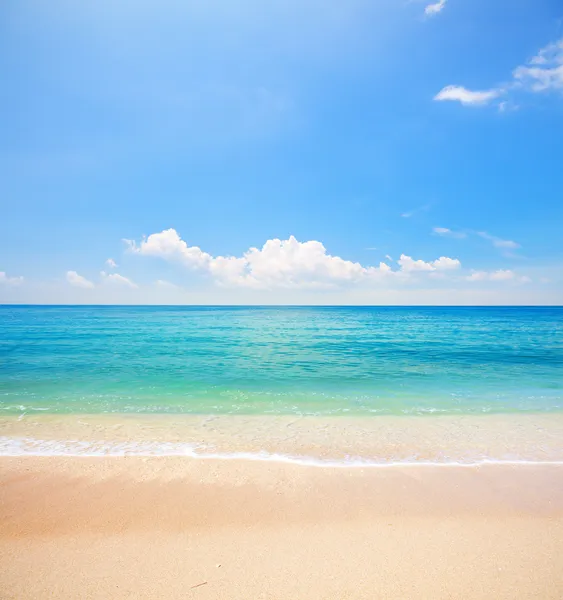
(313, 360)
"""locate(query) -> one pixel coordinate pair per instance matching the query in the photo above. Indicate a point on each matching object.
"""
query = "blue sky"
(402, 152)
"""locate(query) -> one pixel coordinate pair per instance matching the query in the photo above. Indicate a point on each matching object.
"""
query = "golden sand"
(177, 528)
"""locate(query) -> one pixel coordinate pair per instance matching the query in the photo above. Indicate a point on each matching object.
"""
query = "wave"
(22, 446)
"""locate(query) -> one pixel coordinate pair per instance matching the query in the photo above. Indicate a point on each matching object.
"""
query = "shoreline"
(383, 441)
(234, 518)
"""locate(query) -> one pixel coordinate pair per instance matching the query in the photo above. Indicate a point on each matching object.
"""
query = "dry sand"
(132, 527)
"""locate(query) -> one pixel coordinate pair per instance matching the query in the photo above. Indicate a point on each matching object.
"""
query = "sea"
(280, 360)
(326, 362)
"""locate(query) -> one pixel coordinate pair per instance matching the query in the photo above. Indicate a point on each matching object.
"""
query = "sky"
(281, 152)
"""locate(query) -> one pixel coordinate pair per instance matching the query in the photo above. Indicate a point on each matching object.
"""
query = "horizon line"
(18, 304)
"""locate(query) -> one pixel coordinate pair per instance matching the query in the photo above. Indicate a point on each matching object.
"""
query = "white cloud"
(499, 275)
(165, 284)
(499, 242)
(544, 71)
(4, 279)
(117, 279)
(77, 280)
(435, 8)
(290, 263)
(168, 244)
(445, 232)
(444, 263)
(502, 275)
(410, 213)
(478, 276)
(279, 263)
(467, 97)
(111, 263)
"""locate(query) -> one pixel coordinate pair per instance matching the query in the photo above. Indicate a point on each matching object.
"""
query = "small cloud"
(507, 106)
(414, 211)
(117, 279)
(435, 8)
(371, 248)
(499, 275)
(5, 280)
(502, 275)
(111, 263)
(443, 263)
(388, 257)
(77, 280)
(445, 232)
(457, 93)
(162, 283)
(499, 242)
(542, 73)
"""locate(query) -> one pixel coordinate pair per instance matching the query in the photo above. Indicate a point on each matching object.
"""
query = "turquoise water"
(280, 360)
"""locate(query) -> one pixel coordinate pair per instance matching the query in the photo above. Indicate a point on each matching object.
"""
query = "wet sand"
(133, 527)
(381, 439)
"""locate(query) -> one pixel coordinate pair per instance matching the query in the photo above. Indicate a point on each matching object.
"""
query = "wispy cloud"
(498, 275)
(111, 263)
(163, 283)
(118, 279)
(542, 73)
(499, 242)
(467, 97)
(411, 213)
(507, 247)
(77, 280)
(445, 232)
(4, 279)
(435, 8)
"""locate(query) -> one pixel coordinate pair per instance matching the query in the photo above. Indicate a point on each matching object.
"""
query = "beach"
(132, 527)
(272, 453)
(255, 525)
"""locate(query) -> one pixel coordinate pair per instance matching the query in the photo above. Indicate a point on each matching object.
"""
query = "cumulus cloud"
(77, 280)
(444, 263)
(279, 263)
(4, 279)
(116, 278)
(467, 97)
(445, 232)
(435, 8)
(111, 263)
